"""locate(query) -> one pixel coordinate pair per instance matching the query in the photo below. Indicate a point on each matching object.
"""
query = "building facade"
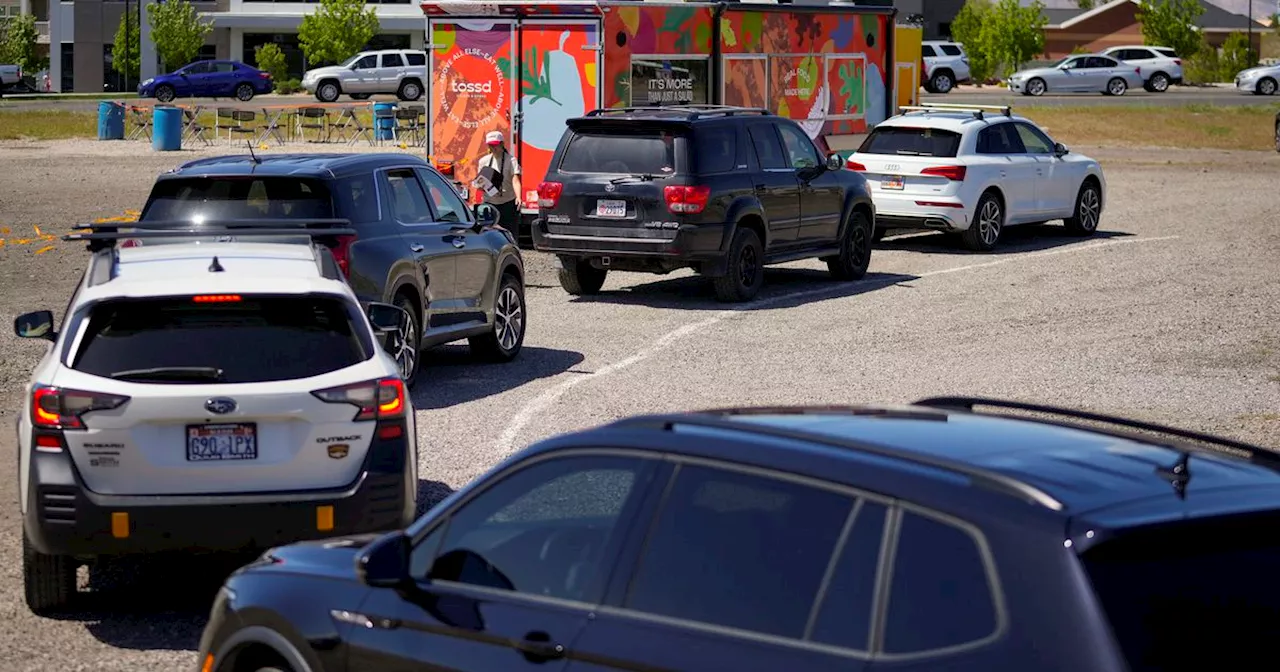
(1116, 23)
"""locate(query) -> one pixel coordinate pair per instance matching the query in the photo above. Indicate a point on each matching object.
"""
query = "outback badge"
(339, 450)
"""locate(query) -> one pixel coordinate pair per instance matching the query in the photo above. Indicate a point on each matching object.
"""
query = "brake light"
(1177, 61)
(381, 399)
(955, 173)
(58, 408)
(264, 75)
(342, 254)
(216, 298)
(686, 199)
(1138, 70)
(549, 194)
(854, 165)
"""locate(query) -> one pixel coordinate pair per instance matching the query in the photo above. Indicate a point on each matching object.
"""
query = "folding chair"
(409, 121)
(348, 122)
(140, 121)
(224, 118)
(380, 114)
(316, 118)
(242, 123)
(194, 129)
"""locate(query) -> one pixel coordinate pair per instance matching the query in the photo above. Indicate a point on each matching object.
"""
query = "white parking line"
(535, 406)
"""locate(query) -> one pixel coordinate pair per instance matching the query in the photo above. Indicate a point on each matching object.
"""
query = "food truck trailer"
(524, 68)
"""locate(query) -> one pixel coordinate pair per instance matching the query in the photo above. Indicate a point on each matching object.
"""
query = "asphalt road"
(1167, 314)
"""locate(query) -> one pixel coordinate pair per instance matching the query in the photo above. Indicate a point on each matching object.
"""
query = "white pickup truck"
(10, 78)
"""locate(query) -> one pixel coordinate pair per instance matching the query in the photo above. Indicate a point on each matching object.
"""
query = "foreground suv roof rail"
(693, 111)
(717, 419)
(977, 110)
(1238, 448)
(103, 235)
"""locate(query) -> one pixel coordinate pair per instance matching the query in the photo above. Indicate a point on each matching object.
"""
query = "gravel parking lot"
(1169, 313)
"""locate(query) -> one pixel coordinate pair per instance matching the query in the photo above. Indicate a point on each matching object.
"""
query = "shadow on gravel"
(1013, 240)
(451, 375)
(161, 602)
(783, 288)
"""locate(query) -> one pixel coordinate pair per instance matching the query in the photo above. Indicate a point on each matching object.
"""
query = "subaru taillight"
(955, 173)
(549, 194)
(381, 399)
(854, 165)
(342, 254)
(60, 408)
(686, 200)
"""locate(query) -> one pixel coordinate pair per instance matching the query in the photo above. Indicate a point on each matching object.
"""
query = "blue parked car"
(209, 79)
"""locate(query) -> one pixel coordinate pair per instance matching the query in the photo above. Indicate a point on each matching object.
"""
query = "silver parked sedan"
(1085, 73)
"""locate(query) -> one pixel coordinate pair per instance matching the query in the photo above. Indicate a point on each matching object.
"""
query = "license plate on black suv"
(613, 209)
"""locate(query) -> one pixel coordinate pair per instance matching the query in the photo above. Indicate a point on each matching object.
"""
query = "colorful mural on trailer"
(655, 30)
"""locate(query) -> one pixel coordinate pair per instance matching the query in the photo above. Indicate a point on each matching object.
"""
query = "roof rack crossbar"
(991, 480)
(968, 404)
(695, 111)
(976, 110)
(216, 224)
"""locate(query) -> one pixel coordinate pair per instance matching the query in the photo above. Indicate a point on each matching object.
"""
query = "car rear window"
(900, 140)
(1167, 53)
(628, 152)
(951, 50)
(1192, 596)
(238, 198)
(250, 338)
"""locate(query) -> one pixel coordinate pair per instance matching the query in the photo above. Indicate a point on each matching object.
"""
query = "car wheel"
(745, 273)
(984, 230)
(510, 319)
(410, 90)
(1267, 86)
(855, 250)
(1278, 137)
(1035, 87)
(328, 92)
(244, 93)
(405, 344)
(49, 581)
(164, 93)
(1088, 212)
(579, 277)
(1116, 87)
(941, 82)
(1159, 83)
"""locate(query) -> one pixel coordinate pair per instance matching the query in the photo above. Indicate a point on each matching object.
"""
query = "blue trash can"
(166, 131)
(110, 120)
(384, 121)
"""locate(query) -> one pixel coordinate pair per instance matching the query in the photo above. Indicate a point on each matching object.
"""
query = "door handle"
(537, 646)
(459, 242)
(416, 247)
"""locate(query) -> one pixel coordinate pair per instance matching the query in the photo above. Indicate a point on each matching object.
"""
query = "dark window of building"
(68, 67)
(112, 81)
(387, 42)
(945, 29)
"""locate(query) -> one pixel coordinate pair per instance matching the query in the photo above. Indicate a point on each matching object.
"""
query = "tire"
(410, 89)
(942, 82)
(1035, 87)
(1266, 87)
(359, 96)
(328, 91)
(1088, 212)
(855, 249)
(1278, 137)
(745, 274)
(165, 93)
(49, 581)
(988, 222)
(244, 93)
(510, 321)
(1158, 83)
(579, 277)
(405, 345)
(1116, 87)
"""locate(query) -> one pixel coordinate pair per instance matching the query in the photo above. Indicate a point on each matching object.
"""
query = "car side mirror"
(384, 317)
(1060, 149)
(486, 214)
(834, 162)
(384, 563)
(35, 325)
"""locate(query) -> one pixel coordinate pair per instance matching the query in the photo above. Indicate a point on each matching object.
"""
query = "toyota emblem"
(220, 405)
(609, 187)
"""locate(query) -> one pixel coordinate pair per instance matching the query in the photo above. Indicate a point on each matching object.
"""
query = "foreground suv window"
(1192, 596)
(639, 152)
(911, 141)
(248, 338)
(239, 198)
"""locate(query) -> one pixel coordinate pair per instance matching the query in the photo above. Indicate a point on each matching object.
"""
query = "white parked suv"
(945, 65)
(398, 71)
(973, 170)
(208, 396)
(1160, 65)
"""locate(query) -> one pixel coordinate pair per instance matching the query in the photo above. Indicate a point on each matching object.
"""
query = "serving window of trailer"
(663, 80)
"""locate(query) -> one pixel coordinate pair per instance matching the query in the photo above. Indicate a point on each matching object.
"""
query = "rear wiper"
(909, 152)
(643, 177)
(171, 373)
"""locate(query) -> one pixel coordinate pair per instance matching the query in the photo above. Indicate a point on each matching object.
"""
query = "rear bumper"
(634, 249)
(64, 517)
(903, 212)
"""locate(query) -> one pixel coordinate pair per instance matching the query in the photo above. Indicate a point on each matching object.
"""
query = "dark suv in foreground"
(935, 536)
(722, 190)
(418, 246)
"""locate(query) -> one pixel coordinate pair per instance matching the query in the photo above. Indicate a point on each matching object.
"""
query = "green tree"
(1236, 56)
(270, 59)
(126, 55)
(1086, 4)
(966, 29)
(1171, 23)
(18, 43)
(1015, 34)
(177, 31)
(337, 30)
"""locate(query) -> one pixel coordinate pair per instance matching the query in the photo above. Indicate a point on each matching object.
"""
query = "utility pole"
(127, 55)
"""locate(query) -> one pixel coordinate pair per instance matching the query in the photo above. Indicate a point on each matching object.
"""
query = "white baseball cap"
(493, 137)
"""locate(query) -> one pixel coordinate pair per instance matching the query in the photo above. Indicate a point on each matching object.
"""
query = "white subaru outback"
(208, 393)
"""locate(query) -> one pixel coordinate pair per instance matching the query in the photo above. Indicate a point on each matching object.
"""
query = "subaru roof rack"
(694, 111)
(103, 235)
(719, 419)
(976, 110)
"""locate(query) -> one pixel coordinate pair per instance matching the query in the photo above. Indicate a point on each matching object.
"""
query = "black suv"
(721, 190)
(937, 536)
(418, 245)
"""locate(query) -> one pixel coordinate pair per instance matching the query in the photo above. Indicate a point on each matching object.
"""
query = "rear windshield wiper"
(908, 152)
(193, 373)
(643, 177)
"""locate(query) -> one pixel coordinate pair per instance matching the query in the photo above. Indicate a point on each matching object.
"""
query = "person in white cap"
(498, 180)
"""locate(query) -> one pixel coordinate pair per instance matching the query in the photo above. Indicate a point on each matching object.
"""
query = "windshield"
(1192, 596)
(347, 63)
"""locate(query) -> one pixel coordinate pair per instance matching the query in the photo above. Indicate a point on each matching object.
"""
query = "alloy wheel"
(1035, 87)
(942, 83)
(1159, 83)
(1090, 209)
(1117, 87)
(411, 91)
(858, 247)
(989, 223)
(164, 94)
(404, 349)
(1267, 87)
(244, 92)
(509, 318)
(748, 266)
